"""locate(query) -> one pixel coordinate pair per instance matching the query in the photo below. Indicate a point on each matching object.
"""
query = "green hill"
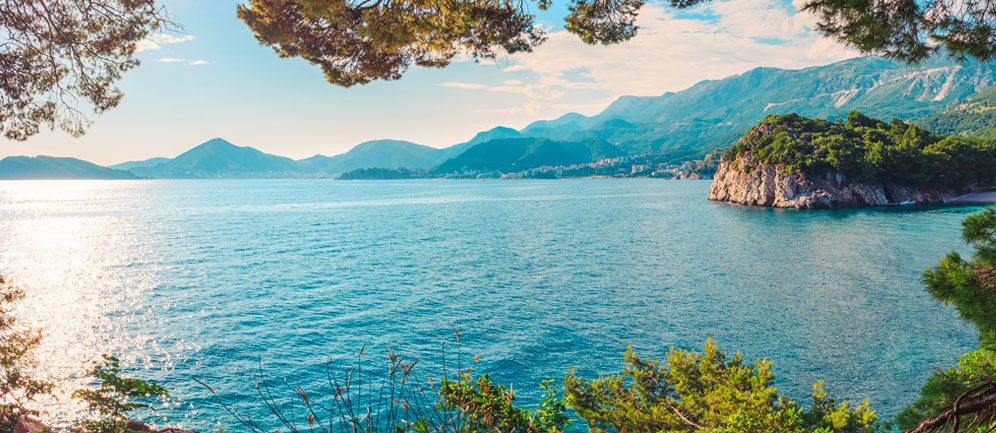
(136, 164)
(481, 137)
(379, 153)
(975, 117)
(50, 167)
(218, 158)
(867, 150)
(514, 154)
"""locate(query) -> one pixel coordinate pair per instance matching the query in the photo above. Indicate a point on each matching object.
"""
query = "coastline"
(973, 198)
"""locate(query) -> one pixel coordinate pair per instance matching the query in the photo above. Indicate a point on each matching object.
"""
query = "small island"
(790, 161)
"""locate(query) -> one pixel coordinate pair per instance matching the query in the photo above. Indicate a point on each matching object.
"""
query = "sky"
(212, 79)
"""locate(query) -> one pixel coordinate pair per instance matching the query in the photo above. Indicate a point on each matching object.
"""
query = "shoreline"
(973, 198)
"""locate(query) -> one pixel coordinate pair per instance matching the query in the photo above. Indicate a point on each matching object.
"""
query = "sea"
(210, 287)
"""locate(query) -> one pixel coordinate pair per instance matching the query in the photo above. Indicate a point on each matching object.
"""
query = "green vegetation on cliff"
(868, 150)
(975, 117)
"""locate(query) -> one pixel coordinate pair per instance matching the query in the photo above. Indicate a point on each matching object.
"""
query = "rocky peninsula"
(798, 163)
(770, 186)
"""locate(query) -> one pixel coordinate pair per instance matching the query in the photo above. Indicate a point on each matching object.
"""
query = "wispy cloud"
(543, 93)
(153, 42)
(146, 45)
(672, 51)
(170, 60)
(467, 86)
(199, 62)
(539, 106)
(164, 38)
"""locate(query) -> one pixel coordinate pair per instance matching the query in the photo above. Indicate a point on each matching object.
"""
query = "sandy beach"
(975, 197)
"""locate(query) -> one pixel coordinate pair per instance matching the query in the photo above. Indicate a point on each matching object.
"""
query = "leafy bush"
(703, 392)
(868, 150)
(115, 397)
(17, 387)
(484, 407)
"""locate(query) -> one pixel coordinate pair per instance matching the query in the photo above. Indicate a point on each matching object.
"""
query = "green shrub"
(703, 392)
(482, 406)
(115, 397)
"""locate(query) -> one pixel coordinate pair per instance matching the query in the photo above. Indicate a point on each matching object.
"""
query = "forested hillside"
(975, 117)
(868, 150)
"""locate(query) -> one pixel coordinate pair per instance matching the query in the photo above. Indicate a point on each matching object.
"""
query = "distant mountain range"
(218, 158)
(379, 153)
(523, 153)
(50, 167)
(682, 125)
(712, 114)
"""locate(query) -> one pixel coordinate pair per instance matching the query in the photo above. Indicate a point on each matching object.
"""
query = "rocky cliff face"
(766, 185)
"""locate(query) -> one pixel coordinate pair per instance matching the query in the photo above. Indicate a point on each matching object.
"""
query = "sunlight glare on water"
(87, 275)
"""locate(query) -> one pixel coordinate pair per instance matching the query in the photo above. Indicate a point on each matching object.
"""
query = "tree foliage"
(61, 57)
(703, 392)
(906, 30)
(868, 150)
(358, 41)
(911, 30)
(114, 397)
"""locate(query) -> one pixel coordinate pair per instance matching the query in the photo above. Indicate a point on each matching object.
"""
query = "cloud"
(170, 60)
(146, 45)
(199, 62)
(153, 41)
(466, 86)
(673, 50)
(163, 38)
(544, 93)
(560, 108)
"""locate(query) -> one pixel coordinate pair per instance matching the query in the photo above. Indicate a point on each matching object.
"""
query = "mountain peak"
(216, 142)
(383, 143)
(386, 153)
(496, 132)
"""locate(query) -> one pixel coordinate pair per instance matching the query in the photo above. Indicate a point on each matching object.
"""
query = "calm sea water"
(205, 279)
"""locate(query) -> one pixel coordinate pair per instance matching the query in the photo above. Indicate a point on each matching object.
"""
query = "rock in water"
(768, 185)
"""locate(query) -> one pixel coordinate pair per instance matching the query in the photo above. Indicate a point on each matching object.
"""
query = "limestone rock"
(767, 185)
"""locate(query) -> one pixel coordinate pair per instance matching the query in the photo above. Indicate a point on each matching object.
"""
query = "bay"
(213, 278)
